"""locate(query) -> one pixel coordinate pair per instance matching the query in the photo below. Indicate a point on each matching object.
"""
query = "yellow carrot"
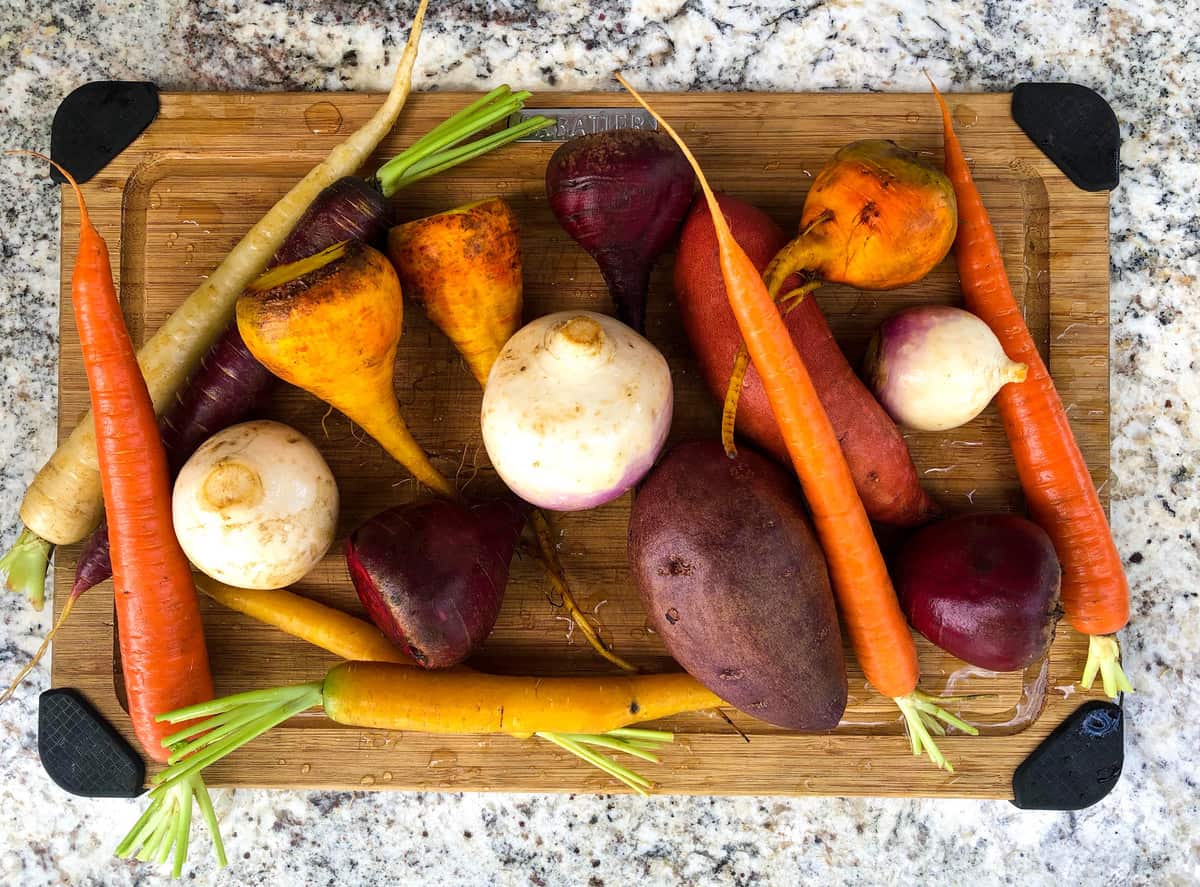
(330, 629)
(390, 697)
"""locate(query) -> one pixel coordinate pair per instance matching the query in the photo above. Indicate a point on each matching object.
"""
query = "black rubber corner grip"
(82, 752)
(97, 122)
(1075, 127)
(1077, 765)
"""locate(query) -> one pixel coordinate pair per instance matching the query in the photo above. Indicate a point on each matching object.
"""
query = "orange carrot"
(880, 636)
(163, 657)
(1053, 474)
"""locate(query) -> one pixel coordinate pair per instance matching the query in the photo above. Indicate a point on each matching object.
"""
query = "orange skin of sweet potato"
(875, 450)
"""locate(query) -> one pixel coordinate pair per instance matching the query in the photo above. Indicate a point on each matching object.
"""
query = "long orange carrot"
(880, 636)
(163, 656)
(1054, 476)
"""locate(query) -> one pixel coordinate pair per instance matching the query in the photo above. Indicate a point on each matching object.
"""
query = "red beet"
(621, 195)
(983, 587)
(432, 575)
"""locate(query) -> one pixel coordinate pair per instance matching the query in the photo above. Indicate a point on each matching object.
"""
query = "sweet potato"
(874, 448)
(735, 584)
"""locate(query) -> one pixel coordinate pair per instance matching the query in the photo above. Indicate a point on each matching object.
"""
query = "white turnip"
(934, 367)
(576, 410)
(255, 506)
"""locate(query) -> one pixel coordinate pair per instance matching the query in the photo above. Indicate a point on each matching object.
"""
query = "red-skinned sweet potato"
(874, 448)
(735, 584)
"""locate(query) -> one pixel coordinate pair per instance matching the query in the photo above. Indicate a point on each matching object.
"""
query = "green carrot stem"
(224, 704)
(442, 162)
(182, 834)
(210, 818)
(609, 766)
(200, 727)
(640, 733)
(222, 747)
(614, 744)
(470, 120)
(436, 151)
(135, 833)
(235, 719)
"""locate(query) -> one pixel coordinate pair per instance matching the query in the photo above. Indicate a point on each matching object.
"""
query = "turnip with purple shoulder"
(934, 367)
(576, 410)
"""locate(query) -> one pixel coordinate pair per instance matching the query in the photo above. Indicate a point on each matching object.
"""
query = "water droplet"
(188, 252)
(281, 761)
(172, 237)
(648, 628)
(965, 116)
(912, 117)
(771, 165)
(806, 173)
(306, 768)
(442, 757)
(367, 780)
(386, 776)
(322, 117)
(155, 201)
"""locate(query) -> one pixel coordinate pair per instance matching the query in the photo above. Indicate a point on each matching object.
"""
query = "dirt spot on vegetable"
(676, 566)
(732, 674)
(672, 615)
(634, 708)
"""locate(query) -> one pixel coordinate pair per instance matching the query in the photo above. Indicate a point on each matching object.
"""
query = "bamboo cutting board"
(186, 190)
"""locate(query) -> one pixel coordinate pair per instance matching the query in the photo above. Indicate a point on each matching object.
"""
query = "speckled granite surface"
(1143, 56)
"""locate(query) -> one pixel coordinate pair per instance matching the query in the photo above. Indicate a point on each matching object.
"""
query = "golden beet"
(330, 324)
(877, 217)
(464, 267)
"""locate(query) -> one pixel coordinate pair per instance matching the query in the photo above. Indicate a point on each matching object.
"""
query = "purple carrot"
(349, 209)
(228, 386)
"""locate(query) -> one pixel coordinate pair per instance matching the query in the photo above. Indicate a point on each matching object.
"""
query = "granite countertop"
(1142, 56)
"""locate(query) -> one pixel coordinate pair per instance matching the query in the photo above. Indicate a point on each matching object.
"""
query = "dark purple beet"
(983, 587)
(227, 386)
(432, 575)
(349, 209)
(622, 196)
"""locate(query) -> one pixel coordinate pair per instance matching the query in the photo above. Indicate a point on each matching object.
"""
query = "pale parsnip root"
(64, 502)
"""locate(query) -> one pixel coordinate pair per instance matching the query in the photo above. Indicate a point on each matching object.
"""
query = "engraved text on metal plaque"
(572, 122)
